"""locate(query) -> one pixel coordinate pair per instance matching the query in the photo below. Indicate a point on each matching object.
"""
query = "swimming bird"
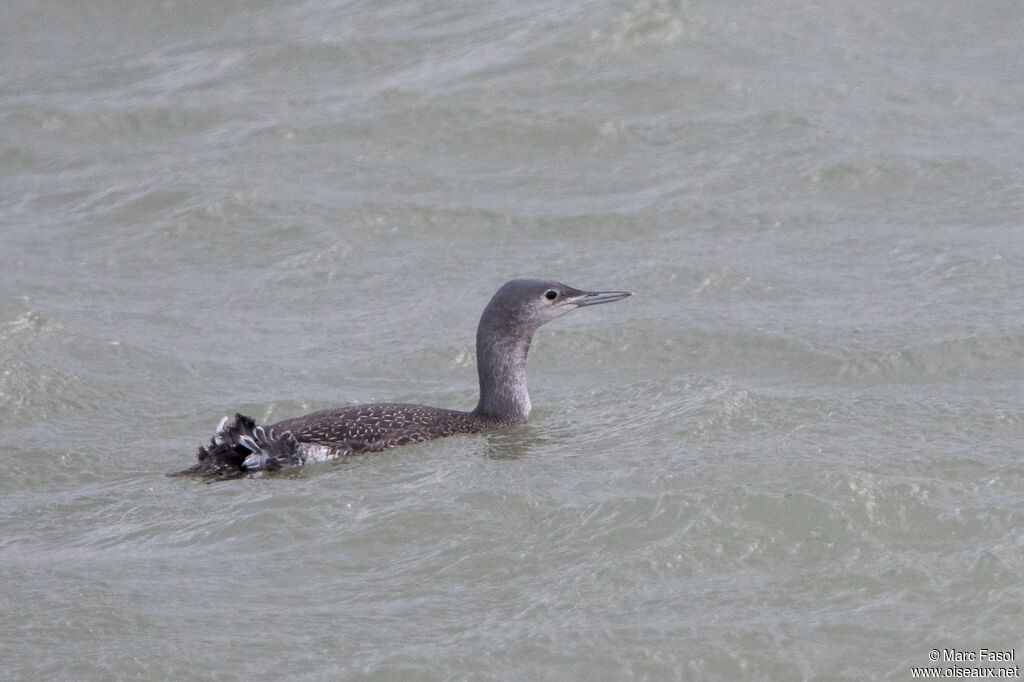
(503, 338)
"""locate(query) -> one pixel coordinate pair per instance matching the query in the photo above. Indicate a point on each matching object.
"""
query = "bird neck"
(501, 353)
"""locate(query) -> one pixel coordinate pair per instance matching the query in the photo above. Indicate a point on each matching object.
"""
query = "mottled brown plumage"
(383, 425)
(503, 341)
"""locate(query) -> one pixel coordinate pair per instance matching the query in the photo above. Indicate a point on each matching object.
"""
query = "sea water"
(795, 453)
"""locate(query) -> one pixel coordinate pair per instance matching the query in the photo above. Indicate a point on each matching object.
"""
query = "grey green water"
(795, 453)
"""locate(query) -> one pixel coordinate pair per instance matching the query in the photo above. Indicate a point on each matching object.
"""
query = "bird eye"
(551, 294)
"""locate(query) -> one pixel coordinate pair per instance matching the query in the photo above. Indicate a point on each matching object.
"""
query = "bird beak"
(594, 297)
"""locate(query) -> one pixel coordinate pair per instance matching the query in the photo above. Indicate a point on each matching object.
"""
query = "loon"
(503, 338)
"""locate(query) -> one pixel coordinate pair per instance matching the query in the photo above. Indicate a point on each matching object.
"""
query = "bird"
(503, 337)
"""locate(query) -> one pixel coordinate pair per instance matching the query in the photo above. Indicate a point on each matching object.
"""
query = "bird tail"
(242, 447)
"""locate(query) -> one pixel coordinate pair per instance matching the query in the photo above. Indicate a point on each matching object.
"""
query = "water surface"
(793, 454)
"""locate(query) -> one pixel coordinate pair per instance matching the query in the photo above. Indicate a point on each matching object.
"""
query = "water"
(794, 454)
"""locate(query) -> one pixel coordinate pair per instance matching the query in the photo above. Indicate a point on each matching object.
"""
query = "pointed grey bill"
(595, 297)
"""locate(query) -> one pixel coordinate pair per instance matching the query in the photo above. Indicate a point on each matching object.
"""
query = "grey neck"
(501, 348)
